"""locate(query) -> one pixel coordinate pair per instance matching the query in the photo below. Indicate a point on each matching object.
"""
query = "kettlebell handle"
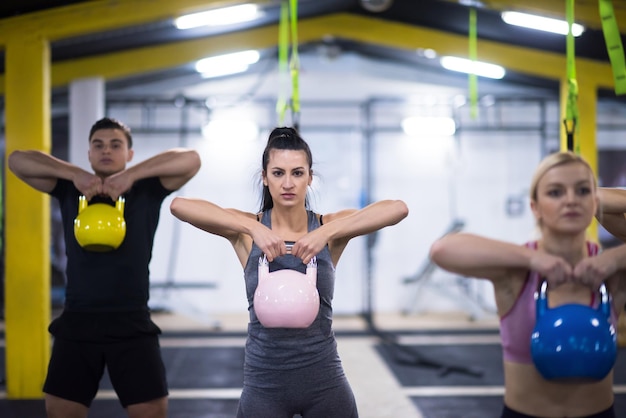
(605, 300)
(541, 296)
(312, 263)
(83, 203)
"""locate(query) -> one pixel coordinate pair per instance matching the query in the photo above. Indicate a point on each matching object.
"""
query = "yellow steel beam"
(101, 15)
(149, 59)
(358, 28)
(524, 60)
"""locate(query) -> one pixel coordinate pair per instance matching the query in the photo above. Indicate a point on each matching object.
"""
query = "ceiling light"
(427, 53)
(224, 70)
(482, 69)
(376, 5)
(428, 126)
(226, 64)
(218, 17)
(541, 23)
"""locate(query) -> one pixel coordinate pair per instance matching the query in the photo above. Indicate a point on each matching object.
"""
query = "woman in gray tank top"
(290, 370)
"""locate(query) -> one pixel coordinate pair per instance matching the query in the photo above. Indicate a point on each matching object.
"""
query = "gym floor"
(417, 366)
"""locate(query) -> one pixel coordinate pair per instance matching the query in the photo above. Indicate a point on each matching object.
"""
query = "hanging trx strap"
(295, 66)
(283, 66)
(288, 20)
(473, 55)
(614, 47)
(571, 112)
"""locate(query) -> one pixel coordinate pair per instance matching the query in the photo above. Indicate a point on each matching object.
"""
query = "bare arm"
(612, 200)
(174, 168)
(612, 215)
(592, 271)
(41, 171)
(340, 227)
(615, 223)
(481, 257)
(240, 228)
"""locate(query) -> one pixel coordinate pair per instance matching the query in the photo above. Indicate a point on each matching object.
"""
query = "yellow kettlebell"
(100, 227)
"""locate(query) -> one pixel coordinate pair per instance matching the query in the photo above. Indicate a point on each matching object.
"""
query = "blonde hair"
(554, 160)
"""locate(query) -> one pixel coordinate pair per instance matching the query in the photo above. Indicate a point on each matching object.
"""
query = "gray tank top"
(290, 348)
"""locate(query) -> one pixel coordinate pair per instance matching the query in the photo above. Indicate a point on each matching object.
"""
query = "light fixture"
(376, 5)
(218, 17)
(233, 63)
(464, 65)
(428, 126)
(541, 23)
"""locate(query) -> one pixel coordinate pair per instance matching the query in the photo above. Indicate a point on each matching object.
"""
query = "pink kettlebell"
(286, 298)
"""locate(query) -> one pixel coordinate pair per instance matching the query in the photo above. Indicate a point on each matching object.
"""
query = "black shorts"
(134, 365)
(509, 413)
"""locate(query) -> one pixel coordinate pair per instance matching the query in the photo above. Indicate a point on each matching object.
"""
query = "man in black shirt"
(106, 320)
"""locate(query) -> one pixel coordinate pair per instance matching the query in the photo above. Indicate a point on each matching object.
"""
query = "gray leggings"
(317, 391)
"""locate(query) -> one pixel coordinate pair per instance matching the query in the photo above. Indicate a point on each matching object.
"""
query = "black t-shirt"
(118, 280)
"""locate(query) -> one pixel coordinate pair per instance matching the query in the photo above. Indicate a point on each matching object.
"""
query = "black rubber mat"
(187, 368)
(200, 368)
(459, 406)
(477, 406)
(178, 408)
(483, 364)
(443, 365)
(22, 409)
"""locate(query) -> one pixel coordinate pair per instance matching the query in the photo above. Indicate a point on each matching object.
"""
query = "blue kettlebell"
(573, 342)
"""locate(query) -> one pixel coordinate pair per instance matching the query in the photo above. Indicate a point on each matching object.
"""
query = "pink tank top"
(517, 324)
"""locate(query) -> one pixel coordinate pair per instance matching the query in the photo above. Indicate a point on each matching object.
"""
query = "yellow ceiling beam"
(155, 58)
(514, 58)
(346, 26)
(102, 15)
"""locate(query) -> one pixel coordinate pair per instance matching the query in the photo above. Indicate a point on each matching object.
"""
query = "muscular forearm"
(612, 200)
(615, 223)
(175, 163)
(211, 217)
(37, 164)
(41, 171)
(369, 219)
(617, 255)
(478, 256)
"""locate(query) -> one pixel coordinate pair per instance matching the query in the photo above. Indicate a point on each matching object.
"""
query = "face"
(566, 199)
(108, 151)
(287, 177)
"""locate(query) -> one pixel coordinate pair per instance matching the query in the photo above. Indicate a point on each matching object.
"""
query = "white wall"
(440, 180)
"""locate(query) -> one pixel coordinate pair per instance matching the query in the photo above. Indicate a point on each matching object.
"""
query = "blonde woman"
(564, 200)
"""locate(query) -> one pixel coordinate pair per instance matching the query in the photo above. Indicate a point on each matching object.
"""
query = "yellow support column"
(586, 129)
(587, 107)
(27, 273)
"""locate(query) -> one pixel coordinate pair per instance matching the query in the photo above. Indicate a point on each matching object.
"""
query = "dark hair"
(283, 139)
(110, 123)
